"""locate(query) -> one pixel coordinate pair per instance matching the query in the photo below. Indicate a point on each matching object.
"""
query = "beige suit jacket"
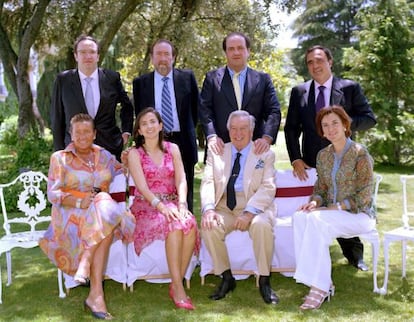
(258, 179)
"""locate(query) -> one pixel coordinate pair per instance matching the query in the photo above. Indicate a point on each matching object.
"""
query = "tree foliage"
(384, 65)
(327, 23)
(125, 30)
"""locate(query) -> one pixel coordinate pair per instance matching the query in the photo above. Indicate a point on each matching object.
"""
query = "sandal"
(80, 279)
(315, 299)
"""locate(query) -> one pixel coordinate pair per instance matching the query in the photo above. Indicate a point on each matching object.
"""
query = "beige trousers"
(260, 231)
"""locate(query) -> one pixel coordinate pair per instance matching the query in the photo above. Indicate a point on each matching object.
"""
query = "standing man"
(237, 193)
(94, 91)
(174, 93)
(238, 87)
(305, 100)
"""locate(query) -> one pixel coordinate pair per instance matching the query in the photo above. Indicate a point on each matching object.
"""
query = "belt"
(161, 196)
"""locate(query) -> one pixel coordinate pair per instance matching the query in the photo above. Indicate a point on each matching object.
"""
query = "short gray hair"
(241, 113)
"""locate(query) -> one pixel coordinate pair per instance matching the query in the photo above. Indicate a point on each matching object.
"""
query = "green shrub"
(32, 152)
(8, 132)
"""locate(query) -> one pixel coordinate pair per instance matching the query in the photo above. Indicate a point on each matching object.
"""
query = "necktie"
(89, 101)
(231, 194)
(237, 91)
(166, 107)
(320, 100)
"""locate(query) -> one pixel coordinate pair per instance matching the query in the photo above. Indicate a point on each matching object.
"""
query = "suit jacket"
(217, 101)
(301, 115)
(186, 98)
(68, 100)
(258, 180)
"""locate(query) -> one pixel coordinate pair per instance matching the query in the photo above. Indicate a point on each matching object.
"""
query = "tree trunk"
(16, 66)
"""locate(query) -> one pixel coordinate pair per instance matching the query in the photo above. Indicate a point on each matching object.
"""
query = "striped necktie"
(166, 107)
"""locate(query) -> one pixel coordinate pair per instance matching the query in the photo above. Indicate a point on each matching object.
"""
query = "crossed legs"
(93, 263)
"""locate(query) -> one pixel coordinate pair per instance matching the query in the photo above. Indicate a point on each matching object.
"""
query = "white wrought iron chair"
(401, 234)
(373, 237)
(23, 203)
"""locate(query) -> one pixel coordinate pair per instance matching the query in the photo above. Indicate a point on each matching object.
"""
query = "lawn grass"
(33, 296)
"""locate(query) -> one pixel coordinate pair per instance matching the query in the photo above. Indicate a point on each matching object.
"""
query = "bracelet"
(338, 204)
(155, 202)
(78, 203)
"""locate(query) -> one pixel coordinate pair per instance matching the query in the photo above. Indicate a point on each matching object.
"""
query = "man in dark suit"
(180, 107)
(236, 86)
(95, 91)
(300, 120)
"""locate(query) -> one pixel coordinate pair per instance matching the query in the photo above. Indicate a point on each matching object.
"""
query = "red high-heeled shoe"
(186, 304)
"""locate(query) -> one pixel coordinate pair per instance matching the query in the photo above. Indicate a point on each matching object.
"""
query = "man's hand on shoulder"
(216, 145)
(262, 145)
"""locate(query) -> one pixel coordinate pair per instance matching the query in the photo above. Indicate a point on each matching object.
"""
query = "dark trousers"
(352, 248)
(174, 137)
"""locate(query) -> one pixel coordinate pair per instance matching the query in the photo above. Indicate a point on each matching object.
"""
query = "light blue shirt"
(335, 168)
(242, 79)
(158, 85)
(238, 185)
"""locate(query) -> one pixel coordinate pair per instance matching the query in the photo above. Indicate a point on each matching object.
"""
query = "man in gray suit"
(238, 87)
(94, 91)
(300, 121)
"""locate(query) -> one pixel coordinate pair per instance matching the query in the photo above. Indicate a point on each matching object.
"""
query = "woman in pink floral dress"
(160, 206)
(84, 216)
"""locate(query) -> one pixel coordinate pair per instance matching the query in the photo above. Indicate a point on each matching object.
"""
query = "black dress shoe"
(226, 286)
(361, 265)
(269, 296)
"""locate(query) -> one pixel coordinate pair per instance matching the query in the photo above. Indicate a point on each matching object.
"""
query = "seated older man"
(237, 192)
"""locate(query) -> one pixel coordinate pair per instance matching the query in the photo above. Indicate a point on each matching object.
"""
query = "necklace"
(88, 160)
(90, 164)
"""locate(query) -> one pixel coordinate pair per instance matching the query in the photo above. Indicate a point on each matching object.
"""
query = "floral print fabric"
(72, 230)
(150, 223)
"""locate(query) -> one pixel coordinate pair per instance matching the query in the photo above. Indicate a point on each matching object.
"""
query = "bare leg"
(179, 248)
(84, 267)
(96, 298)
(173, 249)
(187, 251)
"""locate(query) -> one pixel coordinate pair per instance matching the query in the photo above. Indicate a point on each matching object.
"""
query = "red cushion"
(294, 192)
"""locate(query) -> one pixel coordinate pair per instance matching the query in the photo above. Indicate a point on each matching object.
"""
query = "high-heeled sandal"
(97, 315)
(331, 293)
(82, 280)
(186, 304)
(317, 300)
